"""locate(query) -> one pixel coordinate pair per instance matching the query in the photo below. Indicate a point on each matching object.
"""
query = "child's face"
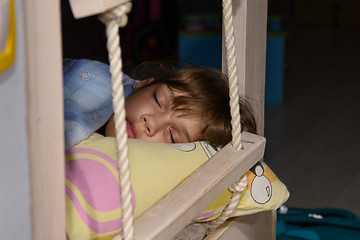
(149, 116)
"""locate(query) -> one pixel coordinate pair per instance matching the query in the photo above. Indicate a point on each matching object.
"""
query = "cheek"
(127, 107)
(157, 138)
(131, 106)
(135, 98)
(138, 104)
(110, 128)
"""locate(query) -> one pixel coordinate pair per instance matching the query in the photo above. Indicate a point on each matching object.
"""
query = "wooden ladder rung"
(86, 8)
(173, 212)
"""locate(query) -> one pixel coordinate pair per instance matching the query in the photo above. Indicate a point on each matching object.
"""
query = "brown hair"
(207, 96)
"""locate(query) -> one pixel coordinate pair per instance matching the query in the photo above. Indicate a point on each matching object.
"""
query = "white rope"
(241, 184)
(113, 19)
(117, 17)
(236, 190)
(232, 71)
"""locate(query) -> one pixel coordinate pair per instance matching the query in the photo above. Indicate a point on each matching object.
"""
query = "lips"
(130, 130)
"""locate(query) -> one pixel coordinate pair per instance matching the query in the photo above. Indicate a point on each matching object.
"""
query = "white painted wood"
(14, 171)
(45, 118)
(172, 213)
(45, 121)
(256, 31)
(250, 24)
(85, 8)
(250, 28)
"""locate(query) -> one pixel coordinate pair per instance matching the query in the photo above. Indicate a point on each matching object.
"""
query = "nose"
(153, 123)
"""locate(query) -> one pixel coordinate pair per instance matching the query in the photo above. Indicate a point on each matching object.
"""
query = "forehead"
(171, 91)
(186, 115)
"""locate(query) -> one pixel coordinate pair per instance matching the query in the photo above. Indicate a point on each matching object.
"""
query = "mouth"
(130, 130)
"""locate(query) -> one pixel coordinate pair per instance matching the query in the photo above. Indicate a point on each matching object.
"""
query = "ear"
(143, 83)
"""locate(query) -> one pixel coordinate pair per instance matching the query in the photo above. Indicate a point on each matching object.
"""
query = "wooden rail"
(172, 213)
(46, 134)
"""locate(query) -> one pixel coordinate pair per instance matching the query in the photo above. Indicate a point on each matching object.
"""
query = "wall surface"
(14, 171)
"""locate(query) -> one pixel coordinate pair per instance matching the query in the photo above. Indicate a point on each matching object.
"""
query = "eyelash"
(171, 137)
(156, 100)
(170, 133)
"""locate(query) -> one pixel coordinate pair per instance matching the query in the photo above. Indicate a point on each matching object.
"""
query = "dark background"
(313, 132)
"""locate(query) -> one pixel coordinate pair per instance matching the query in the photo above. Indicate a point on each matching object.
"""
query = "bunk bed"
(224, 168)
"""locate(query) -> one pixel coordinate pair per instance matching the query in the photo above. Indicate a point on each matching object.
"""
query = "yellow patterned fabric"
(264, 192)
(92, 189)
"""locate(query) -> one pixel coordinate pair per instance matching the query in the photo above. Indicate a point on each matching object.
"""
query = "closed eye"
(157, 100)
(171, 136)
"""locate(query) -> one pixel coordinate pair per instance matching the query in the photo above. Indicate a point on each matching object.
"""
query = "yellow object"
(92, 187)
(93, 192)
(7, 30)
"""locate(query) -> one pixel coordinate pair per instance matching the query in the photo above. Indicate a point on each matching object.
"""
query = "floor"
(313, 137)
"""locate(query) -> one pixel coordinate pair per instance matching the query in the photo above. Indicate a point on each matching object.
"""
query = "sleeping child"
(169, 104)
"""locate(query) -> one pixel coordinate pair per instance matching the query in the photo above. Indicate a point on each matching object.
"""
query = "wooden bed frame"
(45, 123)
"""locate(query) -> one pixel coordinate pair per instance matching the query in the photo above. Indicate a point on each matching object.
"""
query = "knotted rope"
(113, 19)
(236, 190)
(232, 72)
(239, 186)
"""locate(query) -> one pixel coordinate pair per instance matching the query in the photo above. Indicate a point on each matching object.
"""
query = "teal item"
(201, 48)
(317, 224)
(275, 65)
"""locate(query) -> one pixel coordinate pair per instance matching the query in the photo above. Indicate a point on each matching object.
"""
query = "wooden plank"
(172, 213)
(242, 228)
(45, 118)
(256, 31)
(250, 28)
(250, 24)
(86, 8)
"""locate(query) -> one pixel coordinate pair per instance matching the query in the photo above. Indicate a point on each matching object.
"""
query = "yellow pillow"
(92, 189)
(263, 192)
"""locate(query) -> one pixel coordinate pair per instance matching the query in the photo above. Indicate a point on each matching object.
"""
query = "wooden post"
(250, 23)
(45, 118)
(45, 101)
(250, 28)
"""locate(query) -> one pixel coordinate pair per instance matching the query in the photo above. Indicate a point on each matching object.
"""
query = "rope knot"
(239, 185)
(117, 14)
